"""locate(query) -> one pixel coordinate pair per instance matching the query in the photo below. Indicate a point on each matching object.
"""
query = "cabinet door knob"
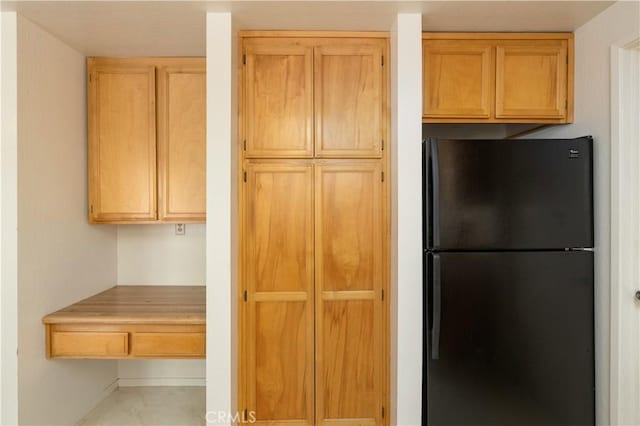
(638, 295)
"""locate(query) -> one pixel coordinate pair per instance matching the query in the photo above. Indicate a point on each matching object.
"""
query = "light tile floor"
(150, 406)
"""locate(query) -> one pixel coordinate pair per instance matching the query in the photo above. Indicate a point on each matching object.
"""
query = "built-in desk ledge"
(127, 322)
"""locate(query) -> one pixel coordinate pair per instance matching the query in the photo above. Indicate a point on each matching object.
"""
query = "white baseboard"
(162, 381)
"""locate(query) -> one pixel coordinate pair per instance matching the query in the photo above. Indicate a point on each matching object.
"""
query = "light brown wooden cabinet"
(497, 77)
(138, 174)
(458, 79)
(349, 271)
(278, 81)
(314, 229)
(279, 281)
(126, 322)
(349, 104)
(313, 97)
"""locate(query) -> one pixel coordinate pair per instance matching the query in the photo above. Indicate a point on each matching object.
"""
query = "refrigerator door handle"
(434, 206)
(437, 308)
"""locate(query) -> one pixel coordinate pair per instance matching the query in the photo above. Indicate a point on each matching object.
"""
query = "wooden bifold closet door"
(322, 220)
(279, 269)
(348, 264)
(314, 232)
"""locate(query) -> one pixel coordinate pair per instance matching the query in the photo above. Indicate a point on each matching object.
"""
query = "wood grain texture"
(168, 345)
(137, 305)
(278, 98)
(349, 101)
(279, 271)
(182, 142)
(495, 36)
(78, 344)
(313, 34)
(277, 310)
(122, 141)
(531, 79)
(131, 322)
(458, 78)
(570, 78)
(349, 258)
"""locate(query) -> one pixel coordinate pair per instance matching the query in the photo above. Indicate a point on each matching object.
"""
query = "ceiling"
(177, 28)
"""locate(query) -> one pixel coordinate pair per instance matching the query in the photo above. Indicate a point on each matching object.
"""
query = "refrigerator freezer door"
(510, 339)
(509, 194)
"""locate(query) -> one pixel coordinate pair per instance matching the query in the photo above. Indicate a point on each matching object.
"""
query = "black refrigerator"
(508, 287)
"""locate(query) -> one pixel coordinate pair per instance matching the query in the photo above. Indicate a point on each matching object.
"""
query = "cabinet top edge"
(145, 61)
(496, 36)
(315, 34)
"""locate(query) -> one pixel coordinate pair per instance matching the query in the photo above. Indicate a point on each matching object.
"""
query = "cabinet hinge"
(244, 415)
(382, 61)
(383, 294)
(244, 145)
(382, 176)
(245, 296)
(382, 148)
(567, 59)
(383, 411)
(566, 103)
(244, 59)
(90, 78)
(91, 208)
(244, 175)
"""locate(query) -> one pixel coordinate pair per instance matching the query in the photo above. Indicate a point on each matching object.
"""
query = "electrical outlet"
(180, 228)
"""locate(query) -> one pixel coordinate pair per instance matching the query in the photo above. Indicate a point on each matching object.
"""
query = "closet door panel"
(279, 277)
(349, 253)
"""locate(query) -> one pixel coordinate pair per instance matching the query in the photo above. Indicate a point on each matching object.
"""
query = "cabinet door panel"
(349, 369)
(531, 80)
(182, 142)
(278, 98)
(279, 277)
(457, 78)
(122, 138)
(349, 99)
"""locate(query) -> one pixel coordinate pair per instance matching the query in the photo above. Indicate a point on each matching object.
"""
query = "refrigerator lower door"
(509, 339)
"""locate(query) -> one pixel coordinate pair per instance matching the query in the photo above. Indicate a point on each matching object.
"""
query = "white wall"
(1, 119)
(221, 214)
(61, 258)
(406, 220)
(592, 117)
(154, 254)
(8, 224)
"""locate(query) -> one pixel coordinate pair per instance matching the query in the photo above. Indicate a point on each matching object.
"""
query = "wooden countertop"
(140, 304)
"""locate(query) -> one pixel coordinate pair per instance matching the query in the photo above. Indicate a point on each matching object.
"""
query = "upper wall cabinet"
(279, 98)
(497, 77)
(348, 98)
(313, 97)
(182, 141)
(531, 79)
(138, 175)
(458, 79)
